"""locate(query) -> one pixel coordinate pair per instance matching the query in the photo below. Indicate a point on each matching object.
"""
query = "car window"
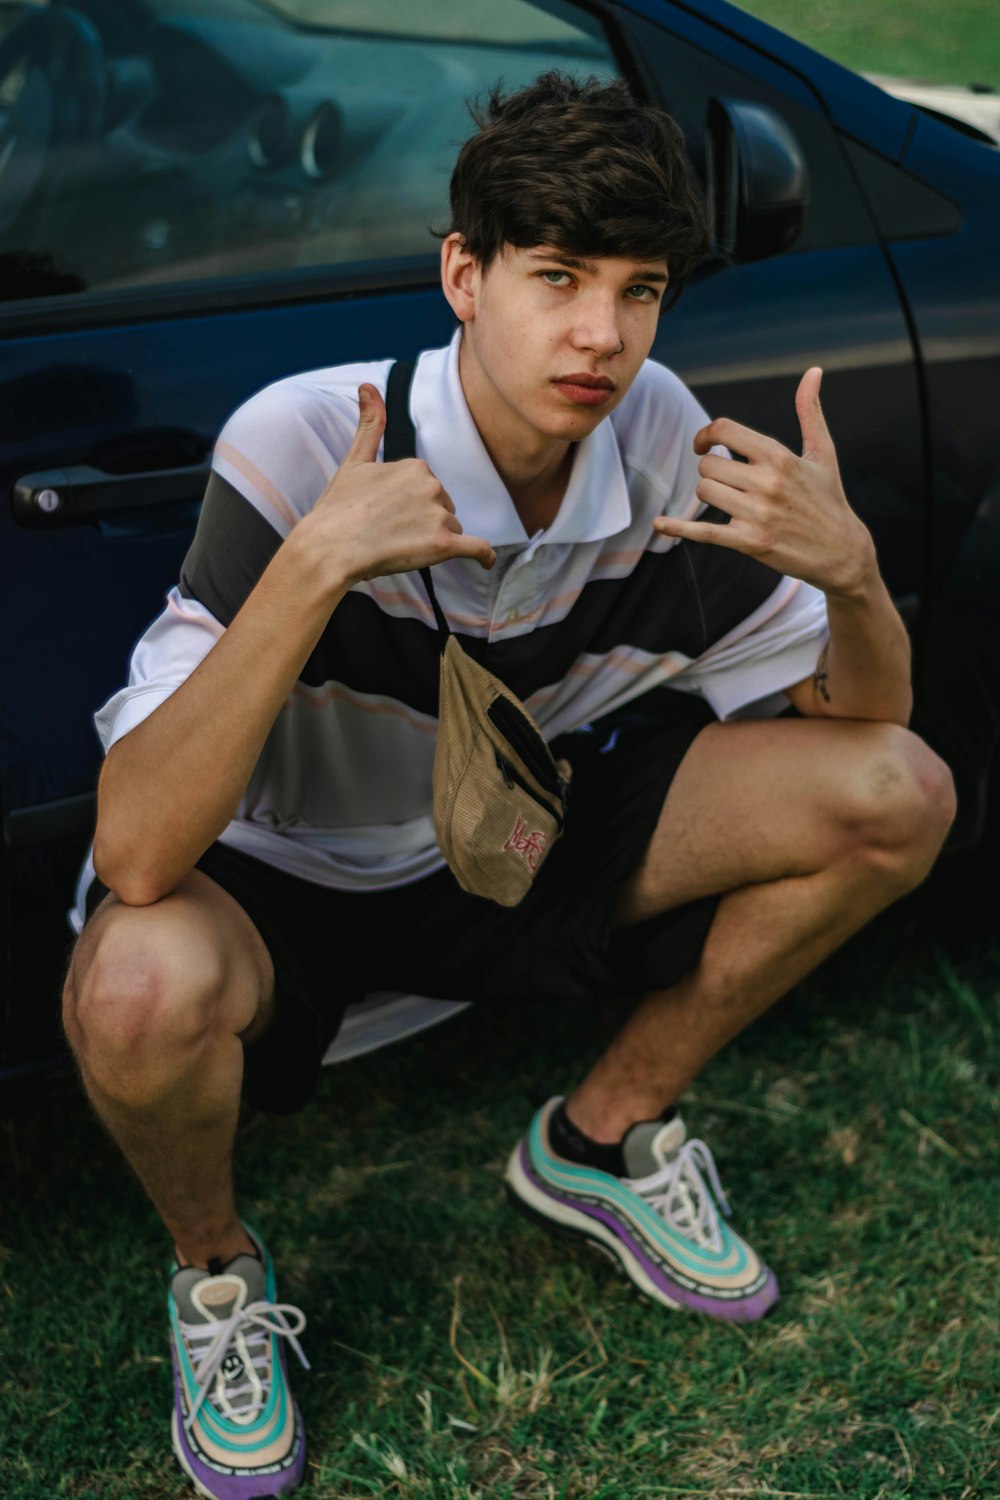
(153, 142)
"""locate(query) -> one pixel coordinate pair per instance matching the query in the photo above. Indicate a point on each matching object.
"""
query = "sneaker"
(661, 1222)
(236, 1430)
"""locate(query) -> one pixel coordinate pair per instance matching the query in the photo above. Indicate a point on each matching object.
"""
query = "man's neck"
(538, 497)
(535, 469)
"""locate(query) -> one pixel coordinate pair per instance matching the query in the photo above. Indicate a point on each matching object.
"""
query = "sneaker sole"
(555, 1215)
(294, 1478)
(182, 1459)
(571, 1225)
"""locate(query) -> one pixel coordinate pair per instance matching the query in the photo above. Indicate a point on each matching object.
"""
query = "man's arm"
(171, 785)
(863, 671)
(791, 513)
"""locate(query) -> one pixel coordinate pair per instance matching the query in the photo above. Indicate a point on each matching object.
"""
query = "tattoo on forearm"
(822, 677)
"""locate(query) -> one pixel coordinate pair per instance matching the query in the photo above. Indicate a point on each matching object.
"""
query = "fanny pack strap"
(400, 441)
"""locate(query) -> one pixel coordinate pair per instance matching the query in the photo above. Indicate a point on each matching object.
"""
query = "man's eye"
(643, 293)
(555, 278)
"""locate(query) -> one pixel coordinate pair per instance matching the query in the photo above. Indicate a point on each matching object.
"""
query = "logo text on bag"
(529, 844)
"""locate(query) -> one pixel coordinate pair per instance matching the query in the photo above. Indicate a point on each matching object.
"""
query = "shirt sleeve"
(746, 672)
(272, 461)
(173, 646)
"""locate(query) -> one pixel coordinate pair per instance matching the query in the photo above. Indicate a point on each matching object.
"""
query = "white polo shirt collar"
(596, 502)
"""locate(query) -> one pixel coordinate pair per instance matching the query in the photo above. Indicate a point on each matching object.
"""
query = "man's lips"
(584, 389)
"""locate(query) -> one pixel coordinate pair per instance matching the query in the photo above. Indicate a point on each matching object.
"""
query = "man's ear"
(460, 277)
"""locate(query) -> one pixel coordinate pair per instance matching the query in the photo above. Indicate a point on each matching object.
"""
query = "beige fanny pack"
(499, 796)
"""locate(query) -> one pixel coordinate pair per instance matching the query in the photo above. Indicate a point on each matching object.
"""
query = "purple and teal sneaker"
(661, 1221)
(236, 1430)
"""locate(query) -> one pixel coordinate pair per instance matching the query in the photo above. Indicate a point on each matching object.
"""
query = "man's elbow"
(906, 712)
(127, 872)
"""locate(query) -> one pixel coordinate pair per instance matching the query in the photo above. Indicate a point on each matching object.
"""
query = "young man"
(267, 790)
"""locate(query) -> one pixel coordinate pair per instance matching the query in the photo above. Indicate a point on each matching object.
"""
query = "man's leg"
(158, 1002)
(811, 827)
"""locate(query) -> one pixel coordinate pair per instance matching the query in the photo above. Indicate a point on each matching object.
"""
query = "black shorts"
(329, 948)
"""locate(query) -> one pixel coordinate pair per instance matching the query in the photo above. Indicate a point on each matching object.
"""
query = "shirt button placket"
(499, 579)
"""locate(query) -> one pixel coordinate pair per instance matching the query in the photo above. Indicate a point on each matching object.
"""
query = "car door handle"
(79, 493)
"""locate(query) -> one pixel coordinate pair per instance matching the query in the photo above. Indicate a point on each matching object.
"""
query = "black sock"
(216, 1266)
(571, 1143)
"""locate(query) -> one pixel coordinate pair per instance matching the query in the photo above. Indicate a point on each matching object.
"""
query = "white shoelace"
(249, 1328)
(679, 1194)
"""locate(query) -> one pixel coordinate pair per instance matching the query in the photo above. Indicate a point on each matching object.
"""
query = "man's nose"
(596, 328)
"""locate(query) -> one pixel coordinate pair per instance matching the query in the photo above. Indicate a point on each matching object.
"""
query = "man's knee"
(900, 803)
(138, 1001)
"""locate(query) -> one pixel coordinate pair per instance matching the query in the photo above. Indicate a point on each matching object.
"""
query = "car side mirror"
(758, 183)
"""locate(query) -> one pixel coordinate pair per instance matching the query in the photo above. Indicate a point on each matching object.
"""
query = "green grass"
(459, 1352)
(956, 42)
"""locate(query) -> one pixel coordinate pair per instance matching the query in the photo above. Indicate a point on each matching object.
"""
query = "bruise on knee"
(909, 805)
(883, 777)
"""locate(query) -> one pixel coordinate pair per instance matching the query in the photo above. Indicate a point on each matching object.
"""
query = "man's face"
(554, 340)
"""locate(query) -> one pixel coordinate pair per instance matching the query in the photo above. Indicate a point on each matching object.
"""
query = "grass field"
(459, 1352)
(956, 42)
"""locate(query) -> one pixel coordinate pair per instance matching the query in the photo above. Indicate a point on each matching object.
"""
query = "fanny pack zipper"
(532, 750)
(513, 778)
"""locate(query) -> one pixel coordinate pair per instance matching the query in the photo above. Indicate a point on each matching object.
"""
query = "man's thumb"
(816, 440)
(371, 424)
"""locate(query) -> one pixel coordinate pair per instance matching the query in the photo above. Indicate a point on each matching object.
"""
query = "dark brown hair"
(580, 165)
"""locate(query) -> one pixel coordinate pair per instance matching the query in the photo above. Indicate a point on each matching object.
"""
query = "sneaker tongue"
(649, 1145)
(201, 1298)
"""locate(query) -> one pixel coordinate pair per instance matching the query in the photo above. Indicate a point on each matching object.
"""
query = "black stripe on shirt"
(682, 600)
(232, 546)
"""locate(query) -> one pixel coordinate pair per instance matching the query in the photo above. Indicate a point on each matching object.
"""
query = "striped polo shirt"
(578, 619)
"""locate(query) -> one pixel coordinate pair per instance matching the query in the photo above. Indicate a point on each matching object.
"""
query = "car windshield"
(513, 23)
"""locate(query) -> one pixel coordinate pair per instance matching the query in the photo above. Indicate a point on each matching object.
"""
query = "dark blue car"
(198, 197)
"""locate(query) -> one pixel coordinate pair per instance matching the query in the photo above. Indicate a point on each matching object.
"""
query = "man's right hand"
(377, 518)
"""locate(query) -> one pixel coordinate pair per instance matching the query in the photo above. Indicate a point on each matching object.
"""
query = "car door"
(198, 197)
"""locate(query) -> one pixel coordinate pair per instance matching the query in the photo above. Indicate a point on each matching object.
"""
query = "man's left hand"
(787, 511)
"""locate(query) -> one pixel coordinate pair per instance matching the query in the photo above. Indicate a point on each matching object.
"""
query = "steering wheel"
(58, 57)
